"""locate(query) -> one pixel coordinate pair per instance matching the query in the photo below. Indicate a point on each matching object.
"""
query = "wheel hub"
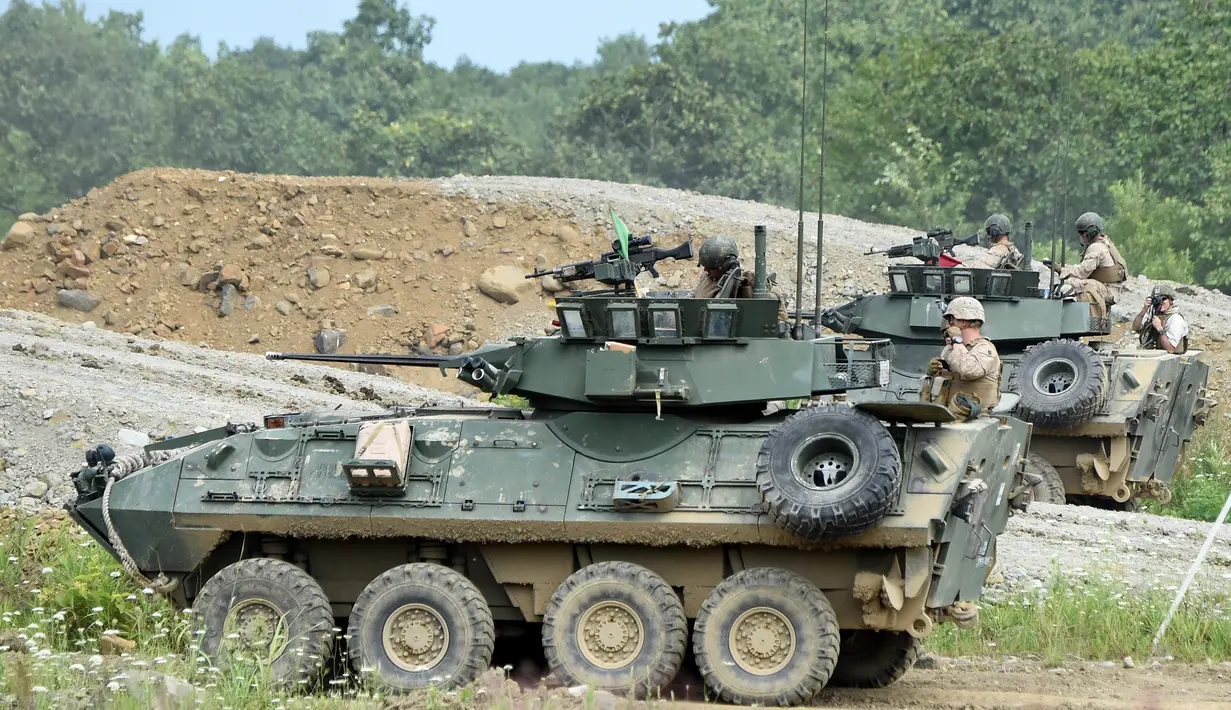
(762, 641)
(824, 460)
(255, 625)
(416, 637)
(1055, 377)
(611, 635)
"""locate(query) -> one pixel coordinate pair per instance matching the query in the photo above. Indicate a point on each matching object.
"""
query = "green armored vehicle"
(1110, 425)
(643, 501)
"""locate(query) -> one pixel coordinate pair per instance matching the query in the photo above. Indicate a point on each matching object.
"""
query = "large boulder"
(505, 284)
(19, 236)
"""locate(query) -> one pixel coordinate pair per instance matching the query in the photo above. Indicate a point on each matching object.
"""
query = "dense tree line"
(938, 112)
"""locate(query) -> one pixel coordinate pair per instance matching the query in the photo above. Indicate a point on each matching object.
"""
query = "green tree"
(75, 102)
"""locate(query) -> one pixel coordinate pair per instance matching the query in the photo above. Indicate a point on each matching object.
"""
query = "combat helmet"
(1089, 225)
(1165, 291)
(718, 253)
(965, 308)
(996, 226)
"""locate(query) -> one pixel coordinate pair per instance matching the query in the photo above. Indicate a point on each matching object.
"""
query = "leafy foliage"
(938, 111)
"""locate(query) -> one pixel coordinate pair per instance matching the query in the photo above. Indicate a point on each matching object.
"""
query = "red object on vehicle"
(947, 261)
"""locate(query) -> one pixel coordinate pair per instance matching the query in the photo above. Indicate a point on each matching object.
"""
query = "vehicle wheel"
(420, 625)
(874, 659)
(1051, 488)
(615, 626)
(828, 472)
(281, 615)
(766, 636)
(1060, 382)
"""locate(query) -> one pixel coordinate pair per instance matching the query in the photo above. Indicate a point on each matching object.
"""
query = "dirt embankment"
(254, 263)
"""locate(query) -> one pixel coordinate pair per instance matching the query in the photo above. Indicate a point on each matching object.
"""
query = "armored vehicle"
(642, 494)
(1110, 425)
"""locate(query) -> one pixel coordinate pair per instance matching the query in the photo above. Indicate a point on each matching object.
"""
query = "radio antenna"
(820, 210)
(799, 239)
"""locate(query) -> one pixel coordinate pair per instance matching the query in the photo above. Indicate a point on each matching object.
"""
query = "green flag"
(621, 232)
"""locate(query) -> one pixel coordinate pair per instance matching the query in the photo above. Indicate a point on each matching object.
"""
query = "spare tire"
(828, 472)
(1061, 384)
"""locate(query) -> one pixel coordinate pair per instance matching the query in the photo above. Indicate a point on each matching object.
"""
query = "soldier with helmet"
(1097, 277)
(1167, 329)
(719, 256)
(969, 364)
(1002, 254)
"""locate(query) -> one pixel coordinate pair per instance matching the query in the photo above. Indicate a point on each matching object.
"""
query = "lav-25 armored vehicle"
(643, 494)
(1110, 425)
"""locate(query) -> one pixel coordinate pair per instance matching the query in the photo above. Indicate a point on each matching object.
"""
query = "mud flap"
(895, 601)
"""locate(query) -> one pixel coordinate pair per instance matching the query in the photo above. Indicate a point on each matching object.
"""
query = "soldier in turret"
(719, 255)
(1097, 278)
(1002, 254)
(969, 361)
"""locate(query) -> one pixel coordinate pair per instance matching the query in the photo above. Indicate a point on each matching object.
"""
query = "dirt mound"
(262, 262)
(255, 263)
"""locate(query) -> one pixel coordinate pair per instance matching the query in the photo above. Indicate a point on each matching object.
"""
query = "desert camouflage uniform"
(1097, 277)
(974, 368)
(708, 288)
(1001, 255)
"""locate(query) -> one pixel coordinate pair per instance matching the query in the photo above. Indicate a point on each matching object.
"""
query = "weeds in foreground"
(1093, 617)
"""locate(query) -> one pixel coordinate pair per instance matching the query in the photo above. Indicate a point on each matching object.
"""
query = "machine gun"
(936, 247)
(613, 269)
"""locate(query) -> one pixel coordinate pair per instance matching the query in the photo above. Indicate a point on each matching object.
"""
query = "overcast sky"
(495, 33)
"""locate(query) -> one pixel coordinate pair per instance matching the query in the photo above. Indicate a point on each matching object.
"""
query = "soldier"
(1002, 254)
(1167, 330)
(1097, 277)
(969, 362)
(719, 255)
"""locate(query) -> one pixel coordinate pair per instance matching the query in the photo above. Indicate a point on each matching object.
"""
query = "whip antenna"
(820, 210)
(799, 239)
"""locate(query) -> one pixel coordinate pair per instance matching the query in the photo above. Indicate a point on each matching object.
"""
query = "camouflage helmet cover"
(1088, 222)
(716, 251)
(997, 226)
(965, 308)
(1165, 291)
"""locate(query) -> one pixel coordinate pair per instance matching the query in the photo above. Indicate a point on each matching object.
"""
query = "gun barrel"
(441, 361)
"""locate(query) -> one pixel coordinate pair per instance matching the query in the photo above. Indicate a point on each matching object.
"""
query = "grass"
(1201, 486)
(1095, 617)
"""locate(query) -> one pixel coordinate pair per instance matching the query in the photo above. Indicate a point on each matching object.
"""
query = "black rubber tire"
(1073, 406)
(813, 621)
(874, 659)
(848, 507)
(655, 604)
(1051, 488)
(446, 592)
(302, 605)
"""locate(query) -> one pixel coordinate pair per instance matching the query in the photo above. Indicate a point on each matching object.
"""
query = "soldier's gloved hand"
(953, 332)
(935, 366)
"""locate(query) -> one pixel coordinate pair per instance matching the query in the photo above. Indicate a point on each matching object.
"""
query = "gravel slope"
(64, 388)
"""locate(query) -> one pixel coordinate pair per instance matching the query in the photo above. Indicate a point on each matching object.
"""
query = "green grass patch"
(1098, 617)
(1200, 488)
